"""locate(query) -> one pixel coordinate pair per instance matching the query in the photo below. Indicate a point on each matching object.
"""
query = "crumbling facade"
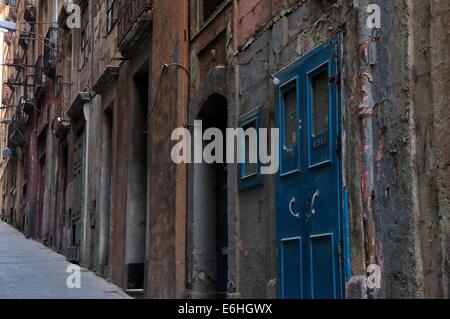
(358, 207)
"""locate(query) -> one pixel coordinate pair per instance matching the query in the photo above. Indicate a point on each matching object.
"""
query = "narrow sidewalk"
(29, 270)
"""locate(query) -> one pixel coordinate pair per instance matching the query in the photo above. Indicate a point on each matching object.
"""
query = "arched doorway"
(210, 218)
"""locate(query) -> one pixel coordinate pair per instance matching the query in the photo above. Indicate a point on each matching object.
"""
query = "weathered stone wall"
(166, 218)
(440, 79)
(430, 91)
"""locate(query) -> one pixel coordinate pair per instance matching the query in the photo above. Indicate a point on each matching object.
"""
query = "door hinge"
(336, 79)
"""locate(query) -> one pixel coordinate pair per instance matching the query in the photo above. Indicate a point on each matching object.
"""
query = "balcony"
(16, 132)
(134, 24)
(51, 51)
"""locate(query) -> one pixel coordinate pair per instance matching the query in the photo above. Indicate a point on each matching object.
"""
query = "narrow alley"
(225, 149)
(29, 270)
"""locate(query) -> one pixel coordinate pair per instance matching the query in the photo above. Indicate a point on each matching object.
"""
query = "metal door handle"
(312, 210)
(291, 203)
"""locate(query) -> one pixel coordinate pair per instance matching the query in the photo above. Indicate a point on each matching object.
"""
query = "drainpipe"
(236, 219)
(366, 106)
(85, 244)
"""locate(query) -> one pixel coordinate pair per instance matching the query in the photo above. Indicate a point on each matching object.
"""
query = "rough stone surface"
(356, 287)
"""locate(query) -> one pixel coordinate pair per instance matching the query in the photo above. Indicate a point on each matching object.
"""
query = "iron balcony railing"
(16, 130)
(129, 14)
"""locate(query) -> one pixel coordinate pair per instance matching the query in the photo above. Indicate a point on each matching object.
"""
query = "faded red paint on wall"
(254, 14)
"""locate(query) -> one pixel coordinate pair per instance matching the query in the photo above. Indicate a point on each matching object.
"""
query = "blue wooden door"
(309, 183)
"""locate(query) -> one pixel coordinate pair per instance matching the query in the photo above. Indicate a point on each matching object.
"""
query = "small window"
(249, 149)
(319, 85)
(290, 126)
(290, 118)
(209, 7)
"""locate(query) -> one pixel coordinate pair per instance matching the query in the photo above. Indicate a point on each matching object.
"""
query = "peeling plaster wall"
(411, 152)
(395, 206)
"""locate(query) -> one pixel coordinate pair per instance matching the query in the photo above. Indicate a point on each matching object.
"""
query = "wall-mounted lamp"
(276, 81)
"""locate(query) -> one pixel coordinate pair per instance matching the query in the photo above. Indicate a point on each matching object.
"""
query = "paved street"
(30, 270)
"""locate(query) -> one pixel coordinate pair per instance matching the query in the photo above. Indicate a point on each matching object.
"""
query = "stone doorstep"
(135, 293)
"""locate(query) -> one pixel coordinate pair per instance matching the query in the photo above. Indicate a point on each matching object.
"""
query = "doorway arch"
(210, 217)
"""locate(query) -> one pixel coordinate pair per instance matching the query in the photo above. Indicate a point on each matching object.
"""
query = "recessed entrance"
(105, 191)
(136, 222)
(210, 218)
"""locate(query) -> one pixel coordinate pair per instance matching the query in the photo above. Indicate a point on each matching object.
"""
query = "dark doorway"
(62, 206)
(42, 147)
(210, 218)
(105, 191)
(75, 214)
(137, 183)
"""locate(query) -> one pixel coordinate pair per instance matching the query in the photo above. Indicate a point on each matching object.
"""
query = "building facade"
(357, 207)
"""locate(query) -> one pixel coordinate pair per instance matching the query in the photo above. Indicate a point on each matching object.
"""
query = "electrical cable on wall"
(166, 66)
